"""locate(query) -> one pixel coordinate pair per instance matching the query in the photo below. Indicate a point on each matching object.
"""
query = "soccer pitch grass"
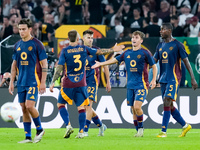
(115, 139)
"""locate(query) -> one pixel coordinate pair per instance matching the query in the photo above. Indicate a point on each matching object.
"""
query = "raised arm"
(108, 62)
(44, 65)
(13, 75)
(56, 75)
(116, 48)
(189, 68)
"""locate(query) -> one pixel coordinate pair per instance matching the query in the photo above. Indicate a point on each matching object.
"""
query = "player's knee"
(167, 102)
(137, 108)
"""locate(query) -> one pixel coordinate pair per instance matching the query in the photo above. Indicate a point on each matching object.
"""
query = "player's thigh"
(66, 96)
(130, 97)
(171, 91)
(81, 96)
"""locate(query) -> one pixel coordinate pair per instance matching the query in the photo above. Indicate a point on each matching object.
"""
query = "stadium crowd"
(121, 16)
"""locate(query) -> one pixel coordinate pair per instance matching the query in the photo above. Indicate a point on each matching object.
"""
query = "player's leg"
(80, 98)
(31, 98)
(134, 118)
(89, 115)
(26, 118)
(63, 99)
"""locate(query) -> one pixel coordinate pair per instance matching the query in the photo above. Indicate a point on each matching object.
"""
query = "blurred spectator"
(22, 8)
(186, 27)
(177, 30)
(47, 30)
(77, 11)
(7, 5)
(15, 29)
(12, 19)
(95, 9)
(116, 4)
(154, 29)
(153, 14)
(6, 80)
(119, 28)
(152, 4)
(185, 10)
(7, 29)
(194, 27)
(164, 11)
(145, 9)
(107, 18)
(30, 4)
(62, 16)
(36, 31)
(179, 3)
(29, 15)
(38, 11)
(127, 33)
(126, 13)
(196, 8)
(136, 22)
(173, 10)
(136, 4)
(145, 25)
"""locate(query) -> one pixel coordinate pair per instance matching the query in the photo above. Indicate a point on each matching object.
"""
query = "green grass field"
(116, 139)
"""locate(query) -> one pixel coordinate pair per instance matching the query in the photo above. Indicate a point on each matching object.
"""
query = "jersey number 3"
(77, 60)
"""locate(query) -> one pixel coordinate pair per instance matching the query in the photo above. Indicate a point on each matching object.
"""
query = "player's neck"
(135, 48)
(169, 39)
(27, 38)
(73, 43)
(88, 45)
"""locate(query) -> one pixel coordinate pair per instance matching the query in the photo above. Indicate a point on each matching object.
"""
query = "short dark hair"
(26, 21)
(72, 35)
(141, 34)
(155, 19)
(90, 32)
(167, 26)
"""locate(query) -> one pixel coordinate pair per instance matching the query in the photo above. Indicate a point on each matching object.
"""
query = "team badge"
(30, 48)
(138, 56)
(171, 48)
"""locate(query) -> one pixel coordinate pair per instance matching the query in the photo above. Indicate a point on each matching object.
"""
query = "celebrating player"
(74, 84)
(169, 53)
(136, 61)
(92, 76)
(30, 61)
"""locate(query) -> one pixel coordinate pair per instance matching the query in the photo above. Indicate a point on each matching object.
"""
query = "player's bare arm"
(13, 75)
(106, 70)
(116, 48)
(42, 88)
(189, 68)
(153, 82)
(56, 75)
(108, 62)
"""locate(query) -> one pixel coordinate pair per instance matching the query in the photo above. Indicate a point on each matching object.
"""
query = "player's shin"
(82, 119)
(64, 114)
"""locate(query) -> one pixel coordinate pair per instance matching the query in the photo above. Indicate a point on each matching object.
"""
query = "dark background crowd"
(121, 16)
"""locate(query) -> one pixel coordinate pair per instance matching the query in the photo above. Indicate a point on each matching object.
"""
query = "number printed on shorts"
(141, 92)
(171, 87)
(78, 2)
(77, 60)
(91, 89)
(31, 90)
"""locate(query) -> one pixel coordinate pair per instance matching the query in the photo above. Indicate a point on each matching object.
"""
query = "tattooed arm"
(104, 51)
(56, 75)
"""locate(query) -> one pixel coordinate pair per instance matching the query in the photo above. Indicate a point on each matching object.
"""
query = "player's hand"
(98, 64)
(51, 87)
(152, 84)
(194, 84)
(42, 88)
(118, 48)
(11, 88)
(108, 87)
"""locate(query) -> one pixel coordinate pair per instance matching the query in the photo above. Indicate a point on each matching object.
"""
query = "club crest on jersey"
(76, 79)
(160, 49)
(171, 48)
(19, 49)
(30, 48)
(128, 56)
(138, 56)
